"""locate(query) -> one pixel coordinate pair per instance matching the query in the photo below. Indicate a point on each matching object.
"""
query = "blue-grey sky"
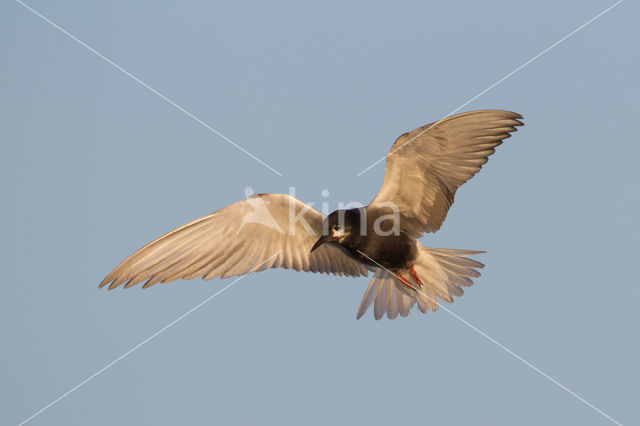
(93, 165)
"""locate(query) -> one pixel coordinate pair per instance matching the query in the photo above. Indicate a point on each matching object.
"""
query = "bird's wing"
(264, 231)
(426, 166)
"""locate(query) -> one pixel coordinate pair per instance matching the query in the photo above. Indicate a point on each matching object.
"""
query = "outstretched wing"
(264, 231)
(426, 166)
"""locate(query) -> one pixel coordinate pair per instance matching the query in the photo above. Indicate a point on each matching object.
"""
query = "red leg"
(415, 277)
(404, 281)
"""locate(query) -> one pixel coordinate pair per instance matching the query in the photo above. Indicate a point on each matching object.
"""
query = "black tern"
(424, 169)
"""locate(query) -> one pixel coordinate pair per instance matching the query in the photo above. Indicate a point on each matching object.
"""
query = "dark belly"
(392, 252)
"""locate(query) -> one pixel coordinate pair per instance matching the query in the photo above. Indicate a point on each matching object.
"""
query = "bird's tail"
(442, 273)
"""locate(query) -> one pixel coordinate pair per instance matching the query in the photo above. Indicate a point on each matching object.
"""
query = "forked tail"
(442, 273)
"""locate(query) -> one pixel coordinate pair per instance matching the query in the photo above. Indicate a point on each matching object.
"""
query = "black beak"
(323, 239)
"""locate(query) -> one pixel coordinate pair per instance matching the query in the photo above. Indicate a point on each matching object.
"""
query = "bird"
(424, 169)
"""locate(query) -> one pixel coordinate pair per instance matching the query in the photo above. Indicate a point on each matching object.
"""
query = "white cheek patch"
(337, 233)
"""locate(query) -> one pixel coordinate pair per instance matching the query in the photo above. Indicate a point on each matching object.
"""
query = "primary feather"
(426, 166)
(236, 240)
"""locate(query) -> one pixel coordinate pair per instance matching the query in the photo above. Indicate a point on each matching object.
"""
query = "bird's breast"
(391, 251)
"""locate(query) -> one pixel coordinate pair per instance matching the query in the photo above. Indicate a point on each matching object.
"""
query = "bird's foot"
(404, 281)
(415, 277)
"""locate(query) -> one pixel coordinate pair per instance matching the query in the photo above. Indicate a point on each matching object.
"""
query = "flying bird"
(424, 169)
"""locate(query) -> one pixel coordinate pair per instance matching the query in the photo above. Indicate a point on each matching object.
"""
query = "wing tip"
(503, 113)
(115, 282)
(109, 281)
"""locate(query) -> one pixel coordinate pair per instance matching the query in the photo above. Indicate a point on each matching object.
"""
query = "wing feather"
(236, 240)
(426, 166)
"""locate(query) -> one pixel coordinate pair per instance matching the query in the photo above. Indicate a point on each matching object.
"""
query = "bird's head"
(338, 226)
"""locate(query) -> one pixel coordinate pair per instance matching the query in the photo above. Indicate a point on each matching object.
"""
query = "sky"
(99, 158)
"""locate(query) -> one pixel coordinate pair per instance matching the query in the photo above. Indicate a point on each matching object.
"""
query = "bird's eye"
(337, 227)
